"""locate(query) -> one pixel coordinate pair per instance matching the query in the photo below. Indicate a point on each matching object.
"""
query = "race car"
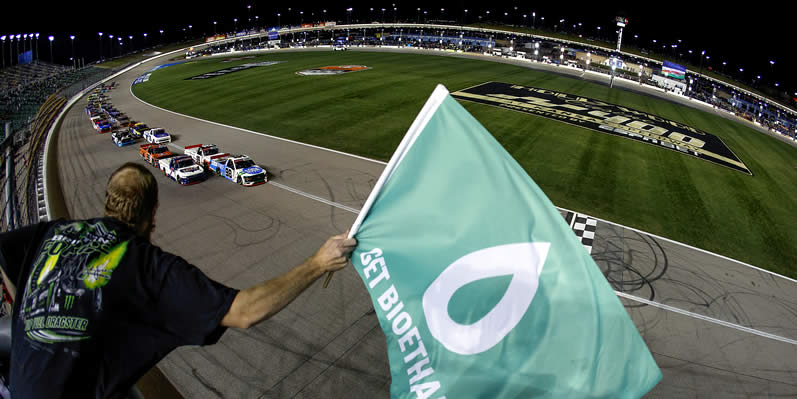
(138, 129)
(182, 169)
(152, 153)
(103, 126)
(240, 169)
(157, 135)
(122, 138)
(202, 154)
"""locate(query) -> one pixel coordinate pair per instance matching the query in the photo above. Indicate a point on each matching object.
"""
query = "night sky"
(746, 36)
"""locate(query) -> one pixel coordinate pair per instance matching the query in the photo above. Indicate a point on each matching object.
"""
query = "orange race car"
(152, 153)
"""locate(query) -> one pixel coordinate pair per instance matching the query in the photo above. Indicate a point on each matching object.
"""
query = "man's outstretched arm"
(259, 302)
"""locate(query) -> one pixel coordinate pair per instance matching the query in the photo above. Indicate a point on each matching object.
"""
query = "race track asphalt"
(328, 342)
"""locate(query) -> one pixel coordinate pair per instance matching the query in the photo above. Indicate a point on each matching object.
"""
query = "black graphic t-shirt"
(97, 307)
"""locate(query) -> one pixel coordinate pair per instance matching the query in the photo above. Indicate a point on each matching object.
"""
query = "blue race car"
(122, 138)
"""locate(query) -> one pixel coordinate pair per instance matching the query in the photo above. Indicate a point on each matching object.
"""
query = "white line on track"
(706, 318)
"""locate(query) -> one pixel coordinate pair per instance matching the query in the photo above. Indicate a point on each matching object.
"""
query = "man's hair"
(131, 196)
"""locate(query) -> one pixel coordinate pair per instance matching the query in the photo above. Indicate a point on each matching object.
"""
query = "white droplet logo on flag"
(522, 261)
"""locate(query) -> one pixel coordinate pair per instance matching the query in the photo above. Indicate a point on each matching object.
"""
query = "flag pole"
(438, 95)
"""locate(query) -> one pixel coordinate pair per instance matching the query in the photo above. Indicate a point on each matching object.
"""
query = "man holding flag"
(481, 288)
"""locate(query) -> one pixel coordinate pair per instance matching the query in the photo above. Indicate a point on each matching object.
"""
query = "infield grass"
(749, 218)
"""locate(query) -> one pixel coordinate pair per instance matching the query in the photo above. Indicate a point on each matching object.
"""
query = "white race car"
(182, 169)
(157, 136)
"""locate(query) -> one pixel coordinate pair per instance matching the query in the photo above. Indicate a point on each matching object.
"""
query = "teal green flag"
(480, 286)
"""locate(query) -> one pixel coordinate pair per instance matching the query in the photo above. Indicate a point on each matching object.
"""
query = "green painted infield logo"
(606, 118)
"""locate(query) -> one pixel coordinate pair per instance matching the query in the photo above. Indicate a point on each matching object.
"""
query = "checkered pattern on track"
(584, 227)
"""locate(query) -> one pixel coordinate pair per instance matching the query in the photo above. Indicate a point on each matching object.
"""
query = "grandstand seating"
(24, 88)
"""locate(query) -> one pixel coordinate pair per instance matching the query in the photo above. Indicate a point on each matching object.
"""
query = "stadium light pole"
(772, 69)
(145, 39)
(161, 32)
(10, 50)
(24, 43)
(3, 51)
(214, 28)
(100, 33)
(37, 46)
(702, 53)
(30, 45)
(235, 24)
(534, 19)
(19, 39)
(131, 41)
(249, 15)
(72, 39)
(110, 49)
(190, 31)
(51, 49)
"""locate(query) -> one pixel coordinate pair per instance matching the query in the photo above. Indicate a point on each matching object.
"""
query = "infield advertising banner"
(480, 286)
(606, 118)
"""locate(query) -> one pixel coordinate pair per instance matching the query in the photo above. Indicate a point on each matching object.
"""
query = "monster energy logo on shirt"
(66, 281)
